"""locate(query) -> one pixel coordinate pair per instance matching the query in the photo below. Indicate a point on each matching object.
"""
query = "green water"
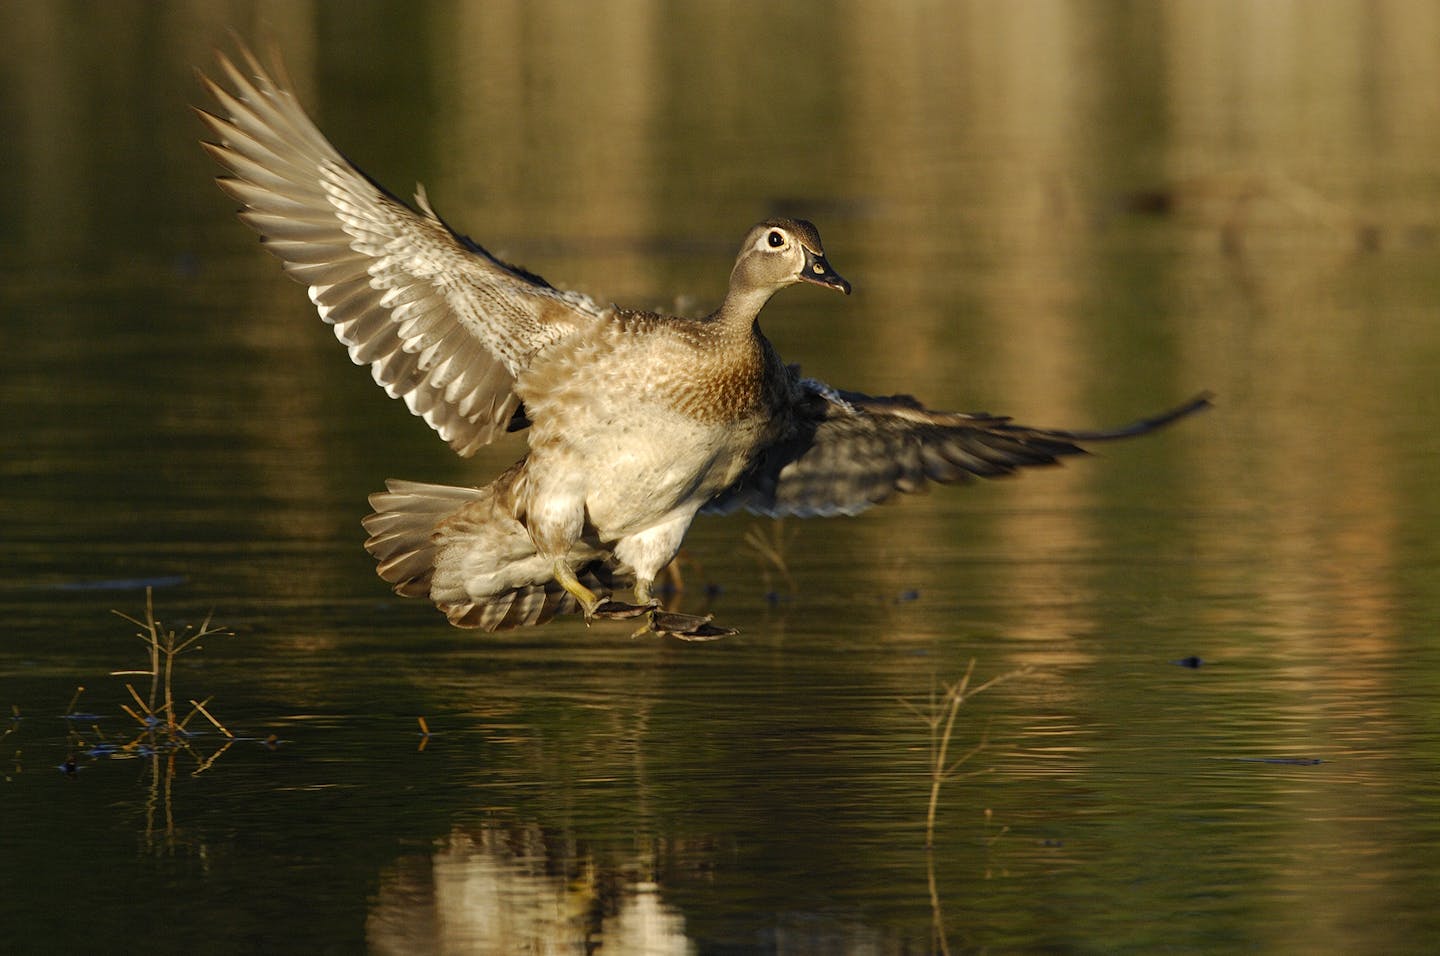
(1072, 213)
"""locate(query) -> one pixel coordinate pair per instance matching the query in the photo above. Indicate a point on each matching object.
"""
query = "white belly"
(638, 477)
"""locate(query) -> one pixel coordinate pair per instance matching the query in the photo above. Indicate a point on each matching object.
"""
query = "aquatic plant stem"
(167, 645)
(941, 720)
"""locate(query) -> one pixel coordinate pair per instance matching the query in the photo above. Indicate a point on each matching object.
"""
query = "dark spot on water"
(1192, 662)
(1159, 201)
(186, 265)
(905, 597)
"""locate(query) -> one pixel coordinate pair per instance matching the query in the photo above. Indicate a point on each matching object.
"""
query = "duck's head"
(781, 252)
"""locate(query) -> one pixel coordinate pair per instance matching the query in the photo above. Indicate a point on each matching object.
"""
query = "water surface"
(1075, 214)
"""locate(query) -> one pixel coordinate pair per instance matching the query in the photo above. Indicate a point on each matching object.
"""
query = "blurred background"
(1075, 213)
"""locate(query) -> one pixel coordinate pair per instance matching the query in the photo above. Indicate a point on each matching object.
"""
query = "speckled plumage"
(637, 421)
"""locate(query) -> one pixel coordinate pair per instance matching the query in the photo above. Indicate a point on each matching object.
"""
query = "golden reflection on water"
(499, 890)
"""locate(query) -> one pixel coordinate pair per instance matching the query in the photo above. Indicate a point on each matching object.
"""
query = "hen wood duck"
(636, 421)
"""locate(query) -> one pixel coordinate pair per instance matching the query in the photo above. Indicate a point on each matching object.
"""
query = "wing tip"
(1144, 426)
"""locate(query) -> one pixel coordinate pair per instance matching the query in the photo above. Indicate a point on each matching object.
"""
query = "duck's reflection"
(518, 890)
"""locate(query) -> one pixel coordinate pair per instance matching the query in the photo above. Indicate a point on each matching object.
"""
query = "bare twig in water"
(149, 716)
(200, 706)
(163, 730)
(940, 718)
(164, 646)
(770, 548)
(674, 575)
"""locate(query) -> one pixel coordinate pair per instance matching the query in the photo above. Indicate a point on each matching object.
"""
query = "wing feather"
(848, 451)
(442, 323)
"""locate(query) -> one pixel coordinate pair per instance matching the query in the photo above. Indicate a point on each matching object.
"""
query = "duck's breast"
(650, 426)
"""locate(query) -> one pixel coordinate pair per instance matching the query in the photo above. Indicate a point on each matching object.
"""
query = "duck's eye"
(776, 240)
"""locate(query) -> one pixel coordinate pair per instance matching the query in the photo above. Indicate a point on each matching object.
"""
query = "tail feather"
(402, 530)
(406, 540)
(409, 572)
(522, 607)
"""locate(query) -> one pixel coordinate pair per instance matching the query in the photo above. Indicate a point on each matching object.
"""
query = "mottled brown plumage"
(636, 421)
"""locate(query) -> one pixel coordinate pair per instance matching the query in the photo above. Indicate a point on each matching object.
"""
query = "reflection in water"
(520, 890)
(162, 835)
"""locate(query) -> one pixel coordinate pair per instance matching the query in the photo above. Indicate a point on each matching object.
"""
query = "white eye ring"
(775, 239)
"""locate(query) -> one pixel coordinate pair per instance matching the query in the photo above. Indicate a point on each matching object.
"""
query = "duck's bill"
(818, 271)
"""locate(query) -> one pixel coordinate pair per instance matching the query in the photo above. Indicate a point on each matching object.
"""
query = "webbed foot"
(596, 607)
(608, 610)
(686, 627)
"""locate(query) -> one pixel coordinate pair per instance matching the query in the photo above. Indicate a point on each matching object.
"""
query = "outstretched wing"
(851, 451)
(442, 323)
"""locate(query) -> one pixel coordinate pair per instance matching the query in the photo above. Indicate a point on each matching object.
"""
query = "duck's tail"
(407, 542)
(402, 530)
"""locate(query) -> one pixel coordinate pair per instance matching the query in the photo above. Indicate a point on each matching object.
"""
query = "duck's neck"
(740, 308)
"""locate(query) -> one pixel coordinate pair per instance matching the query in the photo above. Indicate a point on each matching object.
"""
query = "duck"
(636, 421)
